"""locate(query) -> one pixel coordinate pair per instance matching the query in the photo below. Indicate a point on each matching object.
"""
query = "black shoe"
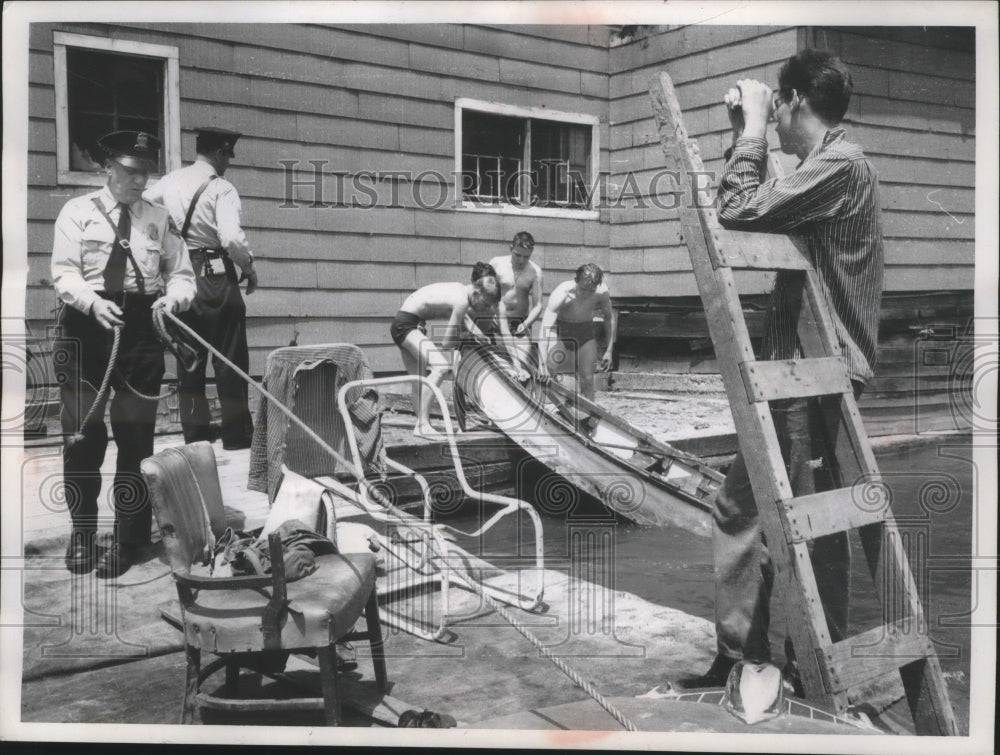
(237, 444)
(80, 553)
(716, 675)
(116, 560)
(210, 433)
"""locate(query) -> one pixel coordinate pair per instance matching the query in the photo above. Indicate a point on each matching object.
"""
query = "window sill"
(529, 212)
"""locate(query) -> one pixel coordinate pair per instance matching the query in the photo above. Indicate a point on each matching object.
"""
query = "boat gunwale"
(704, 506)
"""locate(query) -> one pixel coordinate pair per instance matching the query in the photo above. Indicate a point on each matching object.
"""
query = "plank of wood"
(794, 378)
(869, 655)
(839, 510)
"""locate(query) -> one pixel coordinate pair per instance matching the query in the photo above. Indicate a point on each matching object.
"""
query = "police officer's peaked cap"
(134, 149)
(211, 138)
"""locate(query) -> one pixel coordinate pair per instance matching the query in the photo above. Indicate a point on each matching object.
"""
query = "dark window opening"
(525, 161)
(110, 92)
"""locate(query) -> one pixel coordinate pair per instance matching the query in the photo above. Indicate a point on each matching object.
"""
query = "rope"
(562, 666)
(170, 391)
(501, 611)
(158, 322)
(105, 384)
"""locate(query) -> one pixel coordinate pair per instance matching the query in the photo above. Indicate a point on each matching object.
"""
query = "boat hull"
(638, 477)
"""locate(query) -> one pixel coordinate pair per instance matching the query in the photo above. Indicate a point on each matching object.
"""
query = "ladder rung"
(871, 654)
(840, 510)
(795, 378)
(757, 251)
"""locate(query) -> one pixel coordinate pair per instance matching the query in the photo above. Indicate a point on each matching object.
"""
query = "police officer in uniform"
(206, 207)
(115, 258)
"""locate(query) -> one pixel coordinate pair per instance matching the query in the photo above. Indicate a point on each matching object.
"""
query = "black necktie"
(114, 271)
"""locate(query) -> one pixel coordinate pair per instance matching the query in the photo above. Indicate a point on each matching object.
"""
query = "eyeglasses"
(776, 101)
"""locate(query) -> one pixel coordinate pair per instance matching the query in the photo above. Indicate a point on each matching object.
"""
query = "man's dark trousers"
(80, 357)
(218, 315)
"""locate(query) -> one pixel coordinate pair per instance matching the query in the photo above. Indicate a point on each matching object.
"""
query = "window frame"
(171, 100)
(496, 108)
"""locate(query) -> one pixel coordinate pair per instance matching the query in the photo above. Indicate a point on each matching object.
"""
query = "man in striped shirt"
(831, 207)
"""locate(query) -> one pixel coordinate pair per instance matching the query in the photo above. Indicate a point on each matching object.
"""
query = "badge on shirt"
(153, 232)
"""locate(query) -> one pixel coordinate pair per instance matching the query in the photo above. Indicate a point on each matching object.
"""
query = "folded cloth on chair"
(307, 379)
(239, 553)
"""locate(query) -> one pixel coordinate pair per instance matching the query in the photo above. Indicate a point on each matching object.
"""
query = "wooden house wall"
(913, 112)
(360, 99)
(647, 255)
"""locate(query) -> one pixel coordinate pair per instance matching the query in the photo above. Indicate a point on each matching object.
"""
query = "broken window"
(525, 161)
(108, 92)
(105, 85)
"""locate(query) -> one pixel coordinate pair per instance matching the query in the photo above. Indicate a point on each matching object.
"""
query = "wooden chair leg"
(193, 656)
(328, 679)
(232, 677)
(375, 638)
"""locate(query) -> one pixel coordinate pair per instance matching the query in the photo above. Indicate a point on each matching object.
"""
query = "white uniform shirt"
(215, 222)
(83, 241)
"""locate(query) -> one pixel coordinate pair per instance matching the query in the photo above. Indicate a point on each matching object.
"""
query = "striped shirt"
(830, 206)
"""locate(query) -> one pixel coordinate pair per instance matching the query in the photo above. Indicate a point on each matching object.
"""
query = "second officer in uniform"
(206, 207)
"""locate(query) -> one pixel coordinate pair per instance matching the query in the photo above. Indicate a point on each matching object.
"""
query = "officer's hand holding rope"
(108, 314)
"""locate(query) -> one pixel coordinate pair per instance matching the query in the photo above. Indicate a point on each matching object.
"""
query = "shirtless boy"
(459, 303)
(521, 300)
(568, 328)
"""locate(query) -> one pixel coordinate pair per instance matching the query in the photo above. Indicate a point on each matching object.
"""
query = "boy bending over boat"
(460, 303)
(568, 328)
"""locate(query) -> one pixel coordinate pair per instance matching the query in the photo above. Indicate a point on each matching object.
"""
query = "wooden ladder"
(829, 669)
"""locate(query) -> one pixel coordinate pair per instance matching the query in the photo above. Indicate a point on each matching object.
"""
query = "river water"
(931, 486)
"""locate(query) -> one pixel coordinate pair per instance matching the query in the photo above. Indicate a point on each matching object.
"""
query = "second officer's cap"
(211, 138)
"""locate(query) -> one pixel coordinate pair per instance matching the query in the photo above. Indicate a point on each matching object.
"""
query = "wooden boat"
(630, 471)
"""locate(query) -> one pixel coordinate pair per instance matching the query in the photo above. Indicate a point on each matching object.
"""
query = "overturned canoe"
(631, 472)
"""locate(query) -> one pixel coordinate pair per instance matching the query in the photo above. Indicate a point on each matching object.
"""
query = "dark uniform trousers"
(80, 355)
(218, 315)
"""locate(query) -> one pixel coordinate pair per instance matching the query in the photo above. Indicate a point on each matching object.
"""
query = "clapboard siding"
(702, 62)
(371, 106)
(915, 117)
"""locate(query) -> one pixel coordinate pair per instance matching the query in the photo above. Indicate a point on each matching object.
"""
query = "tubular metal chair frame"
(434, 551)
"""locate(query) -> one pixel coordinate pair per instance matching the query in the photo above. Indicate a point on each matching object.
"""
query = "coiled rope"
(111, 369)
(160, 325)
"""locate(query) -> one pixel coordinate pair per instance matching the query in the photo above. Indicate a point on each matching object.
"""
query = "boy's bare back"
(437, 300)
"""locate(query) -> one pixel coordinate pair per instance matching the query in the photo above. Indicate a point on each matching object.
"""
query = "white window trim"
(171, 101)
(498, 108)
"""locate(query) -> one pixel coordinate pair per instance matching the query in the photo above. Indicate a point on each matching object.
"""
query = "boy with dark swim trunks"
(568, 328)
(459, 303)
(521, 300)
